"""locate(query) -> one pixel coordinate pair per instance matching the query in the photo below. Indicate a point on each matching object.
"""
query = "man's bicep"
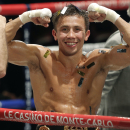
(118, 57)
(21, 53)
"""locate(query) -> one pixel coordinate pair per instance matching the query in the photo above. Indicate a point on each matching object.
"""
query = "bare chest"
(59, 85)
(79, 79)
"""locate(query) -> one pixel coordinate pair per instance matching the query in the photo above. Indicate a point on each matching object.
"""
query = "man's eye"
(64, 29)
(77, 29)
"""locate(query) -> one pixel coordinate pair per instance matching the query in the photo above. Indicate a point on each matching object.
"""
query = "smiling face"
(70, 34)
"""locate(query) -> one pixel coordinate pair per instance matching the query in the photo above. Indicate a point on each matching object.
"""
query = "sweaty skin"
(3, 47)
(55, 79)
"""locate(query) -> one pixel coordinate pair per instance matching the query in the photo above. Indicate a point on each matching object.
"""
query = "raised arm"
(119, 56)
(3, 47)
(99, 13)
(38, 17)
(11, 28)
(19, 52)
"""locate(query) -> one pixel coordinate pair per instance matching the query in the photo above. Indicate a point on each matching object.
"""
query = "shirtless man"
(67, 81)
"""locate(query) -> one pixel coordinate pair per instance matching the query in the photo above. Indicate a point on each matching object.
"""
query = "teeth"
(70, 43)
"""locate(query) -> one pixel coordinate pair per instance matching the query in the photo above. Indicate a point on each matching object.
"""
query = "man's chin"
(69, 53)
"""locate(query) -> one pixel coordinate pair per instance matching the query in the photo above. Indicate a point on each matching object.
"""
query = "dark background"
(12, 86)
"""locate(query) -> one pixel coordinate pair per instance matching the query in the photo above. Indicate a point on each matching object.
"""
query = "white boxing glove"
(111, 15)
(26, 16)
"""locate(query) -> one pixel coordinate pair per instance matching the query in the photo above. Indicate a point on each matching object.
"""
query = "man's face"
(71, 34)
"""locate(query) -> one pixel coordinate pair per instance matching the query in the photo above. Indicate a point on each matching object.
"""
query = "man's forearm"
(11, 28)
(3, 52)
(110, 15)
(124, 28)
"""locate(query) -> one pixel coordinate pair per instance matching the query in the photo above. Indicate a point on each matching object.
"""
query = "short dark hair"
(71, 11)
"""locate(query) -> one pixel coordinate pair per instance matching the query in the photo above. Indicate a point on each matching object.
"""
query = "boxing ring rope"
(52, 118)
(16, 9)
(49, 118)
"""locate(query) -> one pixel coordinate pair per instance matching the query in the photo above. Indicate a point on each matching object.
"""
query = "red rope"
(52, 118)
(16, 9)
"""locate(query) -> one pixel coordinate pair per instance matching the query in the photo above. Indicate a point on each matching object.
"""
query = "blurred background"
(13, 85)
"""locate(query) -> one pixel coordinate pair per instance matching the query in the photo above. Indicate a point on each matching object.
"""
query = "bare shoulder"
(44, 57)
(37, 48)
(98, 58)
(97, 52)
(41, 53)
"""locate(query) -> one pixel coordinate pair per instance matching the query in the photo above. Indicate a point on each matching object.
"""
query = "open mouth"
(70, 43)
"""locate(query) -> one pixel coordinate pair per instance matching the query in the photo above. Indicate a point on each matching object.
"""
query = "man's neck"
(70, 62)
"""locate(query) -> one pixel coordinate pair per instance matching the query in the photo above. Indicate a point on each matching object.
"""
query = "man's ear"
(54, 34)
(87, 35)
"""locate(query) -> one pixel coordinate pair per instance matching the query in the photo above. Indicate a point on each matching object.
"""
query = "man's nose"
(71, 34)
